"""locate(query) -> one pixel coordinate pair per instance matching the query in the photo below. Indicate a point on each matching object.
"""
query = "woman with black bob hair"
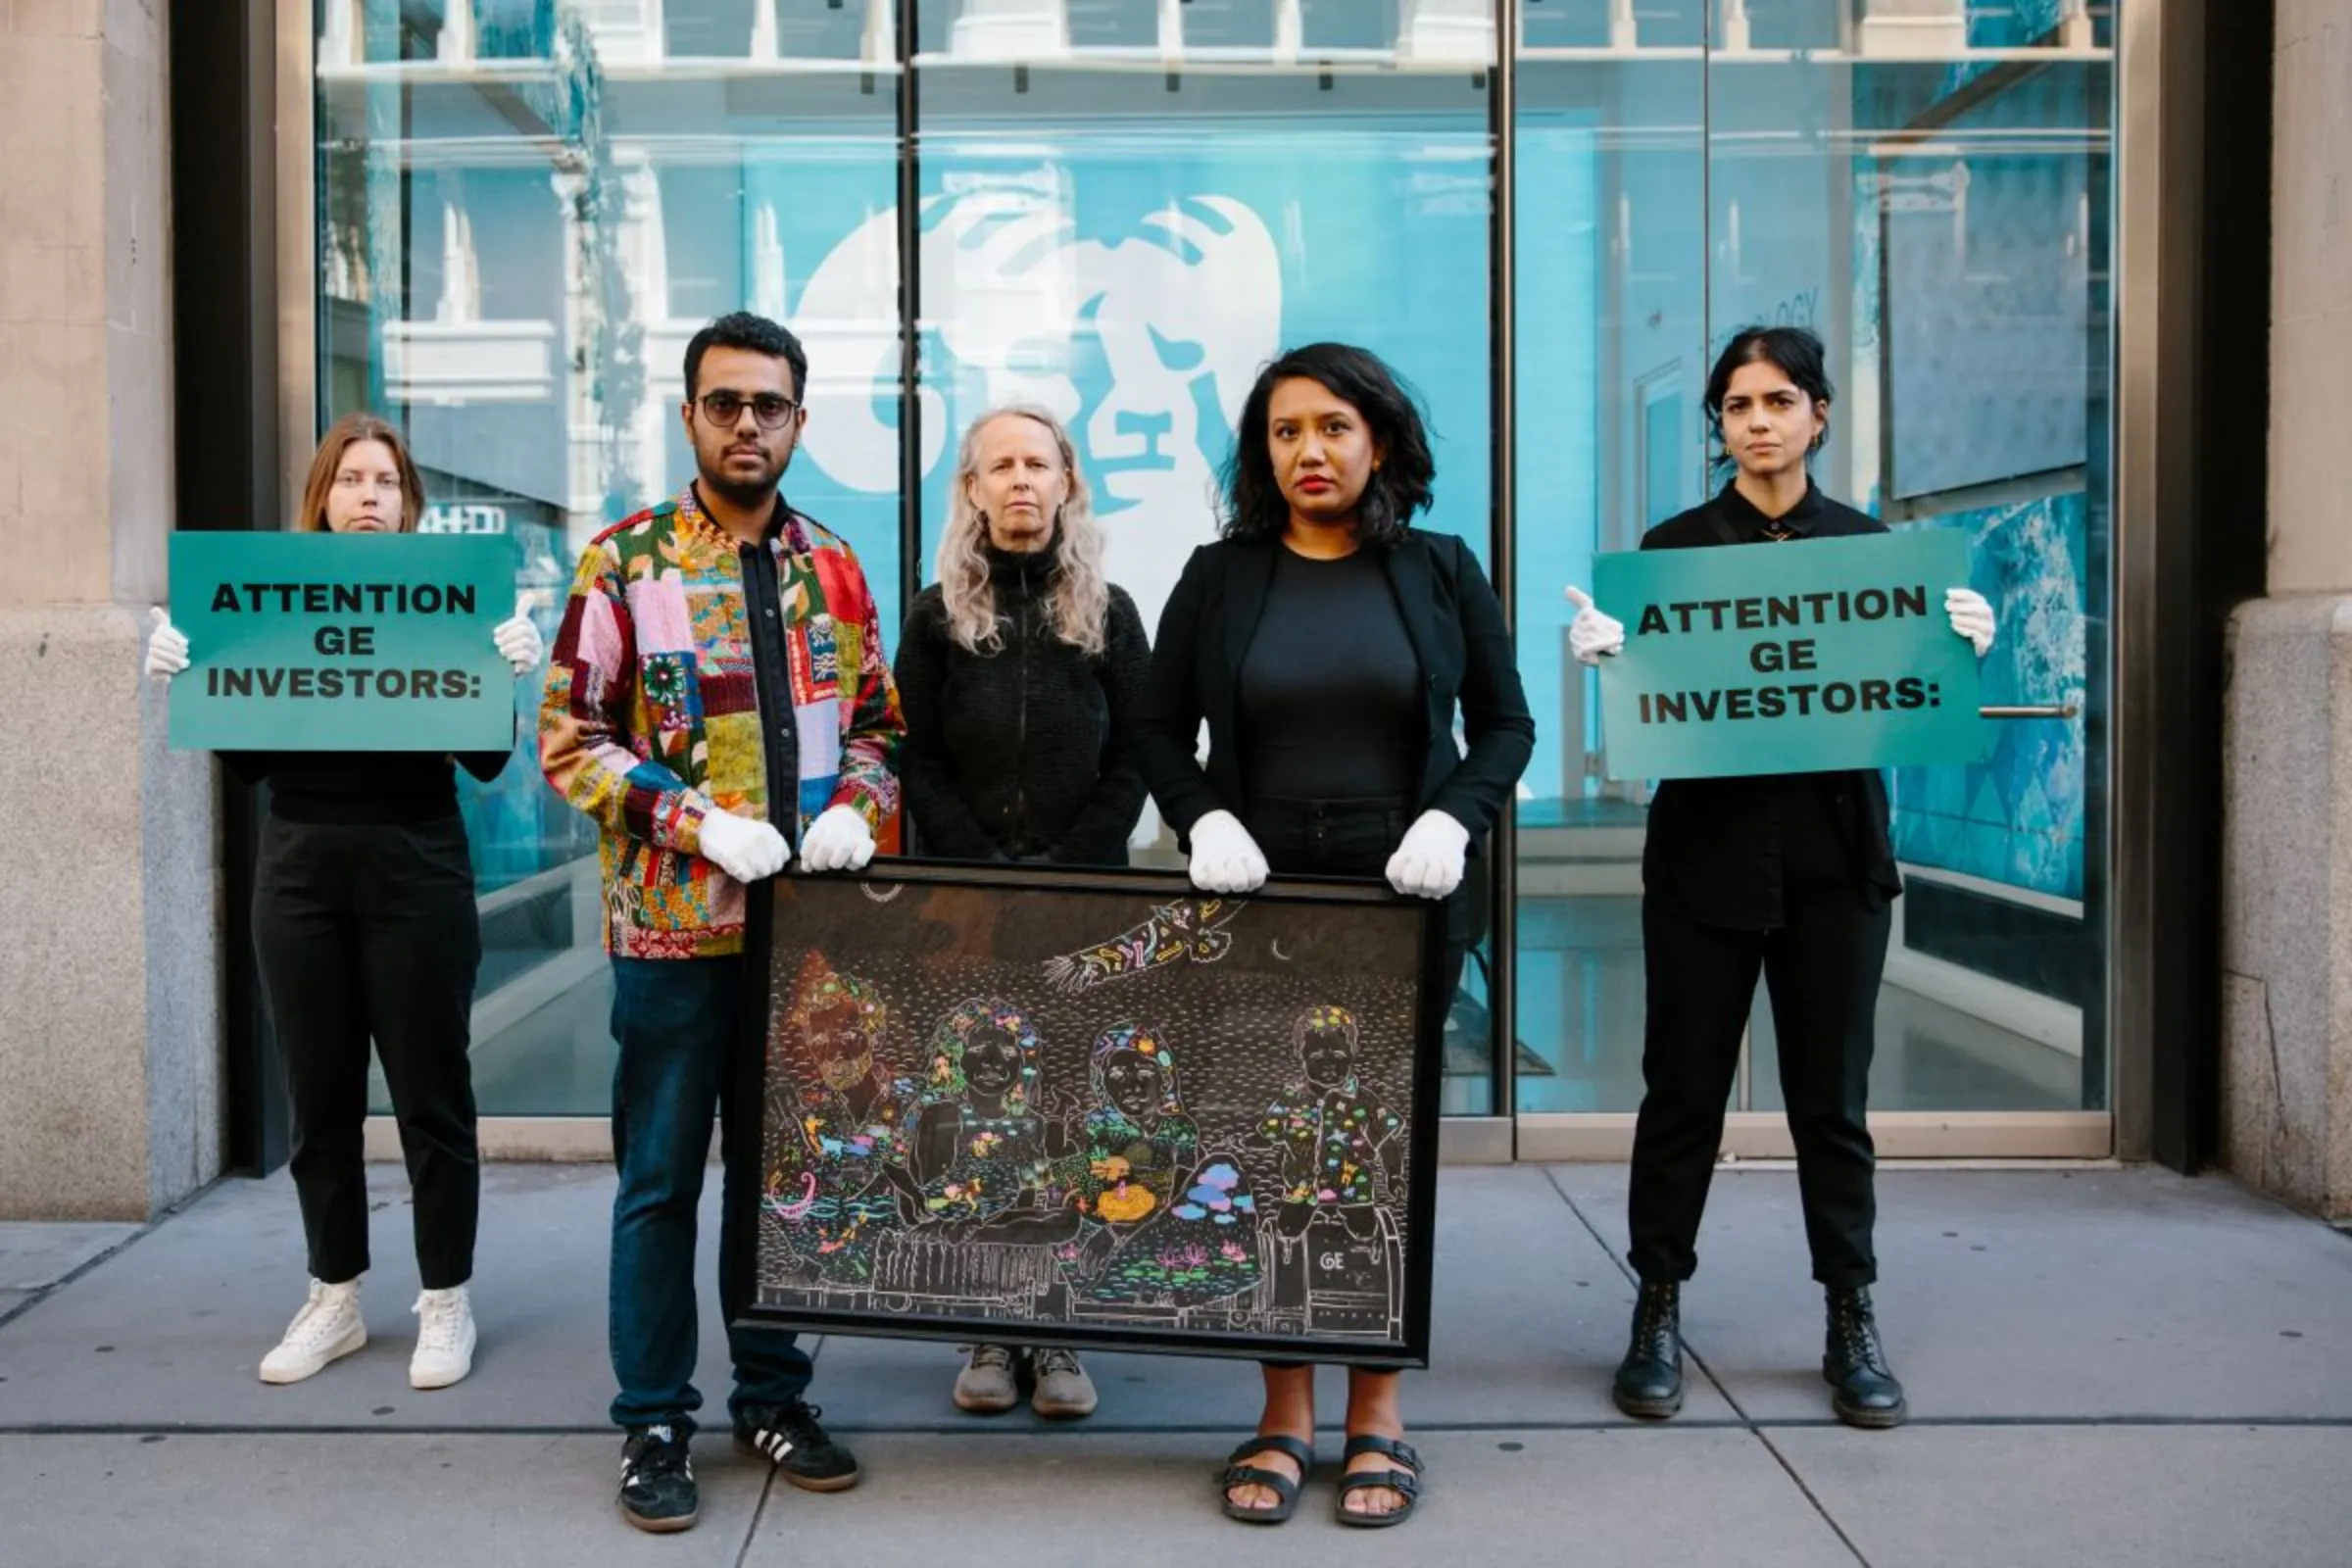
(1328, 644)
(1402, 477)
(1788, 876)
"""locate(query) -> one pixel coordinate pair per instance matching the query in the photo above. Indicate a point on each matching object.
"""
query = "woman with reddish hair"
(365, 924)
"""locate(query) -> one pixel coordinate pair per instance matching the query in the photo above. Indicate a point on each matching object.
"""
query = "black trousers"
(370, 931)
(1821, 969)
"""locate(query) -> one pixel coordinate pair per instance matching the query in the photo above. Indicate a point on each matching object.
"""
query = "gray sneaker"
(989, 1385)
(1064, 1392)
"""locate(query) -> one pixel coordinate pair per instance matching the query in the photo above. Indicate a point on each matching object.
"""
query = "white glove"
(167, 647)
(1225, 858)
(1971, 616)
(1428, 864)
(746, 849)
(1592, 634)
(839, 839)
(518, 641)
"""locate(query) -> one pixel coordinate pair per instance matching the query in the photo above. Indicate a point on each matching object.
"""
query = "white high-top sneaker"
(326, 1329)
(445, 1338)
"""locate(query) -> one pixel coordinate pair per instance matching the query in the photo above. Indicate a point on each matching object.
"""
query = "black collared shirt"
(771, 664)
(1732, 852)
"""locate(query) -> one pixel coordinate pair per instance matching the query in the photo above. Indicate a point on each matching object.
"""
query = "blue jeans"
(675, 1022)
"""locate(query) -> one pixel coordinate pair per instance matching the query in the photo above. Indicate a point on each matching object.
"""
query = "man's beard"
(740, 493)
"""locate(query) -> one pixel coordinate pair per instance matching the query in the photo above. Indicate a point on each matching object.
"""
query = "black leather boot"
(1864, 1393)
(1649, 1380)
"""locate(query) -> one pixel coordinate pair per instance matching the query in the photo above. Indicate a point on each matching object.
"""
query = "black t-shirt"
(1330, 693)
(362, 788)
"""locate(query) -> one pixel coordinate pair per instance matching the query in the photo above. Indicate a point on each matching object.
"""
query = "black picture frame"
(826, 924)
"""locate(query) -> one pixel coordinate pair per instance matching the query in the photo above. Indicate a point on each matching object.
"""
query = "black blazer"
(1459, 636)
(1705, 849)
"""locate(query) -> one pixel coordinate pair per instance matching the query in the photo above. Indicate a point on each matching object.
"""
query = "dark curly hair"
(1792, 350)
(741, 329)
(1255, 507)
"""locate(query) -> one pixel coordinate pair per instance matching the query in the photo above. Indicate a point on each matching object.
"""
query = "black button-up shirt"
(1732, 852)
(771, 672)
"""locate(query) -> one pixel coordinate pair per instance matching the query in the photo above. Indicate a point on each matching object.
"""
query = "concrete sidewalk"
(2105, 1367)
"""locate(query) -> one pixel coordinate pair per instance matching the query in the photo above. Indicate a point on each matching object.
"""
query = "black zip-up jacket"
(1024, 753)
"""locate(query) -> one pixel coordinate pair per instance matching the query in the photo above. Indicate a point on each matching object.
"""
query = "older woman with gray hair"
(1019, 673)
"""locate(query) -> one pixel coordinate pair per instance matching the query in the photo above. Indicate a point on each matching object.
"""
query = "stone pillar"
(2287, 1054)
(108, 973)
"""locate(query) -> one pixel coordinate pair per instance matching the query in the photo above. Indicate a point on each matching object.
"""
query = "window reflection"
(1109, 238)
(1927, 191)
(522, 219)
(525, 207)
(718, 30)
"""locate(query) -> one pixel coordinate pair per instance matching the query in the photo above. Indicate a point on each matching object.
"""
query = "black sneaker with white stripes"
(787, 1437)
(657, 1480)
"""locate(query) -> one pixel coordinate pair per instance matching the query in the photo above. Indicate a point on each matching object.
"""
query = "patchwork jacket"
(651, 718)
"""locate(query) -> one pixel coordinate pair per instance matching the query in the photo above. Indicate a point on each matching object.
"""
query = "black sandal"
(1284, 1488)
(1407, 1484)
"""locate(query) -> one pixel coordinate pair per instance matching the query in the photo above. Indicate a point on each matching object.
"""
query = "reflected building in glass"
(1546, 214)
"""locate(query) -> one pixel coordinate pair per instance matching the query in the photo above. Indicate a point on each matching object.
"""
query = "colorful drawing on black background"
(1187, 929)
(998, 1101)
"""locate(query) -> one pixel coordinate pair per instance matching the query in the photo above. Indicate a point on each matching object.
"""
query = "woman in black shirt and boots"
(1327, 644)
(365, 924)
(1019, 675)
(1788, 876)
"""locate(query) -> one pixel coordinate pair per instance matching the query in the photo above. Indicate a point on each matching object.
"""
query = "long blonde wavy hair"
(1080, 602)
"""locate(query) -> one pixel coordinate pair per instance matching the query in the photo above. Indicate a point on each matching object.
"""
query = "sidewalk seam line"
(2273, 1422)
(1806, 1491)
(750, 1531)
(35, 1298)
(1626, 1271)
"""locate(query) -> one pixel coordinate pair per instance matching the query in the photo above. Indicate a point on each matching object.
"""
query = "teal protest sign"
(322, 642)
(1795, 657)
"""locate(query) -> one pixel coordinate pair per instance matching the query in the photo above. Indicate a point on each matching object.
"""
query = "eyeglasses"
(771, 408)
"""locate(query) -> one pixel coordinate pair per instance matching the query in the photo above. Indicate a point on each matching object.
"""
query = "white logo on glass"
(1146, 347)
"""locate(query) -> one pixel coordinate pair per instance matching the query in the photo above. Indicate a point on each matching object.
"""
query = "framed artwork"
(1092, 1108)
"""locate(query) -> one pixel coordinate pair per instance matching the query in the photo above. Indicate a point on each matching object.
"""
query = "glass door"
(1932, 200)
(1611, 333)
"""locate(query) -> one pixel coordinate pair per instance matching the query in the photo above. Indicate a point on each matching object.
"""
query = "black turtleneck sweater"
(1023, 753)
(1735, 852)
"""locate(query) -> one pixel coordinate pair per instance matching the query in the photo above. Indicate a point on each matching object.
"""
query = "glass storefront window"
(1611, 328)
(1930, 197)
(1127, 242)
(1977, 337)
(526, 208)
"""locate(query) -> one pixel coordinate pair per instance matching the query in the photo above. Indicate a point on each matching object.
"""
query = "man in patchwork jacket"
(717, 701)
